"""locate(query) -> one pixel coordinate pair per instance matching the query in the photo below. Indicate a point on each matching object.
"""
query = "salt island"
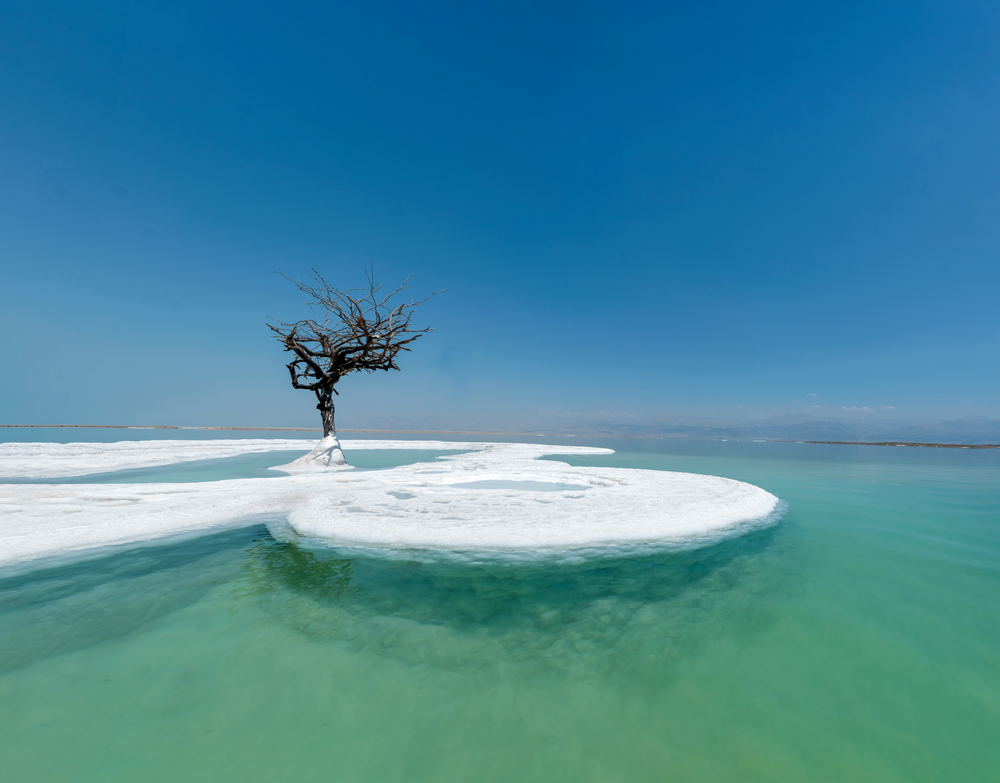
(498, 499)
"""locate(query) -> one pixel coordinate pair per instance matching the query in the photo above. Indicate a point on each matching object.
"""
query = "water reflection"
(598, 616)
(631, 615)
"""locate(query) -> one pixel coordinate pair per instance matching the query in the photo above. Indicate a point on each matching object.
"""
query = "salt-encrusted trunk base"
(325, 456)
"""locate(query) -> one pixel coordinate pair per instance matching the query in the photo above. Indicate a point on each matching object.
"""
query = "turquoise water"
(257, 465)
(857, 640)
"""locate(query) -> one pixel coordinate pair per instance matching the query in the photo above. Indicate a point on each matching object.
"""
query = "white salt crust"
(424, 507)
(59, 460)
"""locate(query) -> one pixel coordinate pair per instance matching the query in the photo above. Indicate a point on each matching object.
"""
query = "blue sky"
(658, 209)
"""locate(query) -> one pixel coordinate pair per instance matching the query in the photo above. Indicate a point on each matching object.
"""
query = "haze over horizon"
(646, 213)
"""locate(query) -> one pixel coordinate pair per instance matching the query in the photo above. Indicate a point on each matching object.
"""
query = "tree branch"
(360, 331)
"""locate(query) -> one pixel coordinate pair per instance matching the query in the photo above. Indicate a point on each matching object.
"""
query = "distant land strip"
(282, 429)
(901, 443)
(159, 427)
(473, 432)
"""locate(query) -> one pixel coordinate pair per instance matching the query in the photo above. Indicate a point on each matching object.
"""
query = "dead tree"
(357, 329)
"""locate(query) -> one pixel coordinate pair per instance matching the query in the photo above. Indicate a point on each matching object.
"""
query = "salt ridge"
(426, 507)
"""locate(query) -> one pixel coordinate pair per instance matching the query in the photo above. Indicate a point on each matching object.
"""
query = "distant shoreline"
(902, 443)
(157, 427)
(473, 432)
(280, 429)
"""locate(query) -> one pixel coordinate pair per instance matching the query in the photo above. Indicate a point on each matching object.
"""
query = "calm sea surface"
(857, 640)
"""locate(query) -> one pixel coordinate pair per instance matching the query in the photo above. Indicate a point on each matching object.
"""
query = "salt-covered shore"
(498, 499)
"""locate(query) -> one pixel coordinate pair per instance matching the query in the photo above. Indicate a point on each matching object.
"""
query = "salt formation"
(498, 499)
(57, 460)
(52, 460)
(326, 455)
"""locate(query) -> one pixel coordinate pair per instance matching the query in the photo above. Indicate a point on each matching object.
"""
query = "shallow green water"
(857, 640)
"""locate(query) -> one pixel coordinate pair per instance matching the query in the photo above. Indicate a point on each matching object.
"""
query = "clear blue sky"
(658, 208)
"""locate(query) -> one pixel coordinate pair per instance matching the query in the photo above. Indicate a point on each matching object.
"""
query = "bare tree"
(356, 329)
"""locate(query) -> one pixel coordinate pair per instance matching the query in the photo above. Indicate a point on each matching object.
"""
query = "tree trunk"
(325, 397)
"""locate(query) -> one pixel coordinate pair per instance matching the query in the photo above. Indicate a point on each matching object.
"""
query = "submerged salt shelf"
(498, 499)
